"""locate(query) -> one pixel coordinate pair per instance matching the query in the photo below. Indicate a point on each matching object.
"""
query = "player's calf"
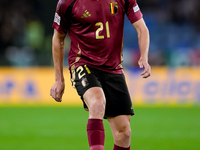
(96, 134)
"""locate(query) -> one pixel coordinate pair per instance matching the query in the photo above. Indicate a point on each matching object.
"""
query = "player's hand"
(147, 68)
(57, 90)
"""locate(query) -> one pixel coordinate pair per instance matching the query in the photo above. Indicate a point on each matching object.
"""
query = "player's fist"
(147, 68)
(57, 90)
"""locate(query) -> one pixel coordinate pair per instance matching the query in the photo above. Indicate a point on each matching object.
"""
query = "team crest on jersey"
(113, 8)
(84, 82)
(57, 19)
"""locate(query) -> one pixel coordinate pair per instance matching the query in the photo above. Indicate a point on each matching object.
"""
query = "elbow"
(143, 31)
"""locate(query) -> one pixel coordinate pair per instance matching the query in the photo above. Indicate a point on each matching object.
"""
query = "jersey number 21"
(100, 29)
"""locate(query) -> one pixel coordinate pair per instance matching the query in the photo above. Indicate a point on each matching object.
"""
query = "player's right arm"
(57, 89)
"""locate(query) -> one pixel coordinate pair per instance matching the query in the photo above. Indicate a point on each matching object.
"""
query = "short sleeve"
(60, 23)
(132, 10)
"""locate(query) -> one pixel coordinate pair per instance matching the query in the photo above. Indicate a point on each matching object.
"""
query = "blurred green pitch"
(64, 128)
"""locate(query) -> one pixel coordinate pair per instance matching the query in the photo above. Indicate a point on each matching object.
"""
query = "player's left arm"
(143, 41)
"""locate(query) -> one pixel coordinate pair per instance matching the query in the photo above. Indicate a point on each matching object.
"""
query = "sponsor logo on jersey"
(113, 8)
(86, 14)
(136, 8)
(57, 19)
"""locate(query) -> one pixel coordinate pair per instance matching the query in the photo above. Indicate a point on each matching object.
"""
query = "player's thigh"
(87, 85)
(119, 123)
(94, 96)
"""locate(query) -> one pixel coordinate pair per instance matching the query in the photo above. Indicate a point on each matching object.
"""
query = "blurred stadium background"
(166, 104)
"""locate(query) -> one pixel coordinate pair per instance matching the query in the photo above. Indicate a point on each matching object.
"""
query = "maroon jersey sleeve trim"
(64, 10)
(68, 14)
(60, 3)
(132, 10)
(126, 5)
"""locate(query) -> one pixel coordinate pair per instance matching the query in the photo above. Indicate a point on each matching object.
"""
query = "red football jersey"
(95, 28)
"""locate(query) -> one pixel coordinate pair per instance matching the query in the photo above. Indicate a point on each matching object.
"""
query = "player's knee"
(98, 105)
(124, 133)
(127, 133)
(97, 108)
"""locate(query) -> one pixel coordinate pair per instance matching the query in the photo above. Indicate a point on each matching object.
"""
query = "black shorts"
(118, 101)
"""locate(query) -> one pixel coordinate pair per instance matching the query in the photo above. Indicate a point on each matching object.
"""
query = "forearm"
(58, 57)
(143, 41)
(143, 38)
